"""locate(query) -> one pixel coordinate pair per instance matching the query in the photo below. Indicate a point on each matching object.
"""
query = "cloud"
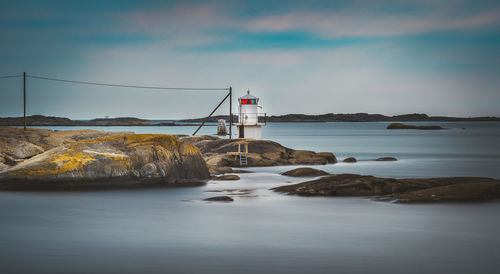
(356, 24)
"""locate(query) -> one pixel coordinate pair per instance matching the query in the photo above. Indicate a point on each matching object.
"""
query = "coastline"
(40, 120)
(107, 146)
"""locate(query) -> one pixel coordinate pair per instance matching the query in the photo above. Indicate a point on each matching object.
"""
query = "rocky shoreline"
(41, 159)
(52, 159)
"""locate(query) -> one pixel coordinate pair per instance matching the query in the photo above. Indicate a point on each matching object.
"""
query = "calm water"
(172, 230)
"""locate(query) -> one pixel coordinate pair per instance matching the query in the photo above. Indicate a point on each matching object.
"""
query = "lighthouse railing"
(261, 118)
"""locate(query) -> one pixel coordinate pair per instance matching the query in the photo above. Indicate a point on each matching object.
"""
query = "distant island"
(405, 126)
(40, 120)
(353, 117)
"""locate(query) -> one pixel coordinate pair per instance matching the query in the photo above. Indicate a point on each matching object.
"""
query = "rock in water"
(219, 199)
(405, 126)
(221, 127)
(305, 172)
(110, 161)
(261, 153)
(350, 160)
(402, 190)
(230, 177)
(386, 159)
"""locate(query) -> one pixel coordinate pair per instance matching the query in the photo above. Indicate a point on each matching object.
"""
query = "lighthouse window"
(248, 101)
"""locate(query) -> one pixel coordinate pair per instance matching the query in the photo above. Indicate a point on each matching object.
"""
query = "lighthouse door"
(242, 132)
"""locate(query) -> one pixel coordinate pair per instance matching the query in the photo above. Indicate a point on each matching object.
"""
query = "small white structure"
(248, 117)
(221, 127)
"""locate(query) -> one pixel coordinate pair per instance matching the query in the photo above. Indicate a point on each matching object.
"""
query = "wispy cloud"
(355, 24)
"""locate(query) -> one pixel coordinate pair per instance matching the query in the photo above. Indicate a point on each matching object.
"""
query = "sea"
(172, 230)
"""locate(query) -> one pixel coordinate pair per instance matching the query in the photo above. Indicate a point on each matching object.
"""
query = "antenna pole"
(24, 99)
(230, 112)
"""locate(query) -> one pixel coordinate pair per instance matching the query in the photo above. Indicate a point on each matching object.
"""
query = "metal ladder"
(243, 159)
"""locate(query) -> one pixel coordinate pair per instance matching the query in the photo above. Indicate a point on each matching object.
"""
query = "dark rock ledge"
(450, 189)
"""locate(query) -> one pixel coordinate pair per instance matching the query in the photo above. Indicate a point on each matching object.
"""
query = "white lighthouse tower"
(248, 118)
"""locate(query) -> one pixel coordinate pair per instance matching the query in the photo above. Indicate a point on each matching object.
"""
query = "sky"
(312, 57)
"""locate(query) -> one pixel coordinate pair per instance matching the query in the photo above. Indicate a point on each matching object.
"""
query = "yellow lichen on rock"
(67, 161)
(161, 157)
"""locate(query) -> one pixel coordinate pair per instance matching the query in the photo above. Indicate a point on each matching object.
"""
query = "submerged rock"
(305, 172)
(405, 126)
(386, 159)
(350, 160)
(219, 199)
(110, 161)
(402, 190)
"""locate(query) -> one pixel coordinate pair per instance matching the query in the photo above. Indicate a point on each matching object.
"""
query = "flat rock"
(219, 199)
(402, 190)
(386, 159)
(350, 160)
(305, 172)
(230, 177)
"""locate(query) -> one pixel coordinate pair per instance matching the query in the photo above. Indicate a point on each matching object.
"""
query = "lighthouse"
(248, 117)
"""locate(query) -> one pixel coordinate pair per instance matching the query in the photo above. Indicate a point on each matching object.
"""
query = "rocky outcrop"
(305, 172)
(17, 145)
(401, 190)
(120, 160)
(350, 160)
(261, 153)
(405, 126)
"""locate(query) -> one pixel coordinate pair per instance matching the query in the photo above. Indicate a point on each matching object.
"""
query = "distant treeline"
(40, 120)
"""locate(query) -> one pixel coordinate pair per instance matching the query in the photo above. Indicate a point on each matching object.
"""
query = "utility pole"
(24, 98)
(230, 112)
